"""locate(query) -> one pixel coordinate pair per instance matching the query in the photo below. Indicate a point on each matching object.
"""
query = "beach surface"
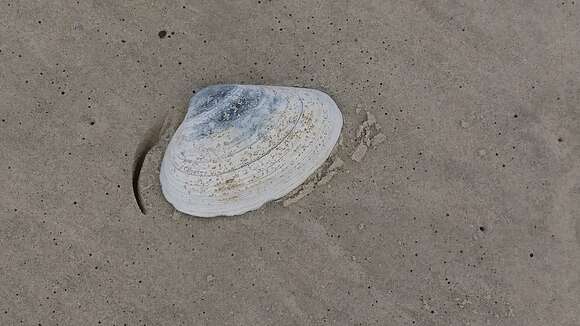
(454, 200)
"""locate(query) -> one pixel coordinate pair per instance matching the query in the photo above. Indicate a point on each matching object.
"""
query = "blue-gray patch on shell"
(207, 98)
(221, 107)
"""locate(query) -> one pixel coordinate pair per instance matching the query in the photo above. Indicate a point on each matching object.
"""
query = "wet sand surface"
(457, 202)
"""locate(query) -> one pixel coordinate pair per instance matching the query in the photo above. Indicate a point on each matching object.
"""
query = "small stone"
(210, 278)
(361, 226)
(371, 120)
(464, 124)
(481, 152)
(359, 152)
(378, 139)
(332, 171)
(364, 130)
(336, 164)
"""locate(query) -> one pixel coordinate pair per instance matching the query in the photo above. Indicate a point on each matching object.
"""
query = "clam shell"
(241, 146)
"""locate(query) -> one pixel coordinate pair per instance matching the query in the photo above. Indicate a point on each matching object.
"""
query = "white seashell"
(241, 146)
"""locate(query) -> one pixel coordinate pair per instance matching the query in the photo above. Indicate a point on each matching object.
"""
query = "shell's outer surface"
(241, 146)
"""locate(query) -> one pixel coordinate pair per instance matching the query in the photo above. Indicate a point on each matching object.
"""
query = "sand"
(464, 212)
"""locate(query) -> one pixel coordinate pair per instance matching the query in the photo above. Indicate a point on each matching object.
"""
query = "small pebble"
(378, 139)
(359, 152)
